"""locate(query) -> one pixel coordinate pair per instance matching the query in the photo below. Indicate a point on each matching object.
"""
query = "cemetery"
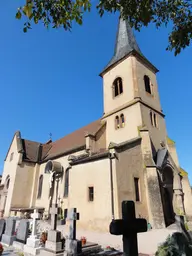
(30, 235)
(21, 236)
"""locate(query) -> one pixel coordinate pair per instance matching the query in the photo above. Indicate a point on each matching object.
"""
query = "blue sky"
(49, 79)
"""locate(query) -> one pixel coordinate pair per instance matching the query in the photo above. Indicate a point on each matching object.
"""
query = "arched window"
(40, 186)
(117, 122)
(151, 117)
(122, 118)
(7, 182)
(147, 84)
(155, 120)
(66, 188)
(117, 87)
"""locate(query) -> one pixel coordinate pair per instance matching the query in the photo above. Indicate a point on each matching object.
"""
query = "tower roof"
(125, 44)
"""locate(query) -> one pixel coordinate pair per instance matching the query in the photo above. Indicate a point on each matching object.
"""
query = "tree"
(61, 13)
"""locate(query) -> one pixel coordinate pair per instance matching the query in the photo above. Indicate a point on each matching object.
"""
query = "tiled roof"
(35, 151)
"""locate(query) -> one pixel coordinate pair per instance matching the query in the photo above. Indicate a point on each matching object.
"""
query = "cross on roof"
(128, 226)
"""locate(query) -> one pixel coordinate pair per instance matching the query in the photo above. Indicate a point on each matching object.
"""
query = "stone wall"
(130, 166)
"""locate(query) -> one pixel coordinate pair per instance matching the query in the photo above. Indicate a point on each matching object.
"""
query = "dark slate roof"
(125, 44)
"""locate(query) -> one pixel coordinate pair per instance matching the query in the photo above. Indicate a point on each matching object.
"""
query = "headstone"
(22, 234)
(8, 237)
(72, 246)
(2, 227)
(128, 226)
(53, 245)
(33, 243)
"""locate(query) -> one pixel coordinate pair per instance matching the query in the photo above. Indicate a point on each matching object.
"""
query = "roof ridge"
(76, 130)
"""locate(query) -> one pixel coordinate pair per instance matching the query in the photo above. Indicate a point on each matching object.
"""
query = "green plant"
(20, 253)
(59, 13)
(175, 245)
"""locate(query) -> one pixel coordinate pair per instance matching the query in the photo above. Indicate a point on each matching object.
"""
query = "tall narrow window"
(11, 156)
(151, 117)
(117, 122)
(147, 84)
(7, 182)
(40, 186)
(137, 193)
(66, 188)
(117, 87)
(122, 120)
(155, 120)
(91, 194)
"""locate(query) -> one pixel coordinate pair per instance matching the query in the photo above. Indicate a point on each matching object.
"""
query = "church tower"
(130, 92)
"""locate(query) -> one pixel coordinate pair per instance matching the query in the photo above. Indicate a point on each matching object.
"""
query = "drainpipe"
(111, 157)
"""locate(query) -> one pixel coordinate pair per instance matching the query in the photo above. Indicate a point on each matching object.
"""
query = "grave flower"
(1, 249)
(83, 240)
(15, 233)
(43, 237)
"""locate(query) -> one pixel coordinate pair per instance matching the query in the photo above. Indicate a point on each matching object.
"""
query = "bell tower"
(130, 92)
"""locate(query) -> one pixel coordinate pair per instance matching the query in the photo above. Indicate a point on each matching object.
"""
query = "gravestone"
(72, 245)
(128, 226)
(22, 234)
(2, 227)
(53, 245)
(9, 237)
(33, 243)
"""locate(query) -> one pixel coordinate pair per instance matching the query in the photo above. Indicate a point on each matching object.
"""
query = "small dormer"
(90, 143)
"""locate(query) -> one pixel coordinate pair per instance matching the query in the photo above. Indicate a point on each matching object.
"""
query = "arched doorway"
(167, 195)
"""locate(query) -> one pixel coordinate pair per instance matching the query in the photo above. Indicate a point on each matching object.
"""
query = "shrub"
(175, 245)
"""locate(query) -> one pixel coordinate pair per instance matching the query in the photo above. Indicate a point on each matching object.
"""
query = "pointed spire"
(125, 43)
(125, 40)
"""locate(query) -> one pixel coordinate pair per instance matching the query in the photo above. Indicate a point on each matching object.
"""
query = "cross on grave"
(72, 216)
(54, 212)
(35, 215)
(128, 226)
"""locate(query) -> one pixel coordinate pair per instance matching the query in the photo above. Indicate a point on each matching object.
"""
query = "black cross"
(128, 226)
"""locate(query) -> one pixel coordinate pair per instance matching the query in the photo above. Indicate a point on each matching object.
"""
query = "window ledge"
(149, 94)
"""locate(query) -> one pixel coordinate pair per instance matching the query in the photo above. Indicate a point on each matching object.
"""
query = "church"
(125, 155)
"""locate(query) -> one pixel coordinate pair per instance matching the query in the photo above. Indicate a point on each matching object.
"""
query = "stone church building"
(125, 155)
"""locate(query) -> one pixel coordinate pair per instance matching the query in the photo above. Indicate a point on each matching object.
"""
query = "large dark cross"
(128, 226)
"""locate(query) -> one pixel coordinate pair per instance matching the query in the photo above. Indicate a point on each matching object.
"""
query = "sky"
(49, 79)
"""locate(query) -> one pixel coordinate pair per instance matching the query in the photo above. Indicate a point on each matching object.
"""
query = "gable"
(38, 152)
(15, 145)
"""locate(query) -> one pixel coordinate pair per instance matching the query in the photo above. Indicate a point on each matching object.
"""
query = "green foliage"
(175, 245)
(61, 13)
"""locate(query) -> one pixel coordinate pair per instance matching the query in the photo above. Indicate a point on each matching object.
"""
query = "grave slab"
(21, 236)
(2, 227)
(28, 251)
(8, 238)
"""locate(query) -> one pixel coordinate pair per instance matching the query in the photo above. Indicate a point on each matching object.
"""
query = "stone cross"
(35, 215)
(72, 216)
(54, 213)
(128, 226)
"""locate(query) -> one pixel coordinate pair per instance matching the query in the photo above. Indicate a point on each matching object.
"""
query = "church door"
(167, 195)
